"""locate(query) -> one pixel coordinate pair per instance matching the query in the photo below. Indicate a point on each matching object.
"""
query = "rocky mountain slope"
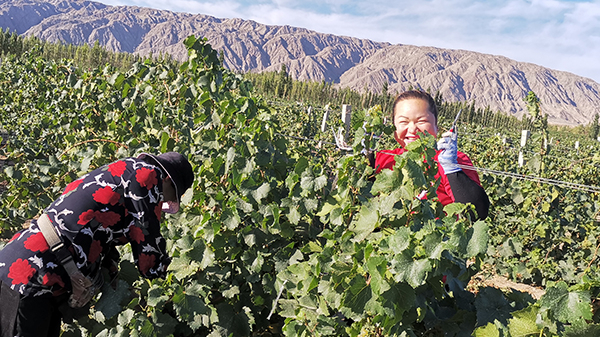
(487, 80)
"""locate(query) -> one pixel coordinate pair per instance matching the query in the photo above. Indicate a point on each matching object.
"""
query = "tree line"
(280, 85)
(83, 56)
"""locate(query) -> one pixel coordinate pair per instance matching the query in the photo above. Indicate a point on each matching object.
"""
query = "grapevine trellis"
(294, 239)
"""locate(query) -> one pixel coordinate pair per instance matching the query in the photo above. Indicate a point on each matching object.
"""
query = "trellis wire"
(303, 138)
(559, 183)
(554, 182)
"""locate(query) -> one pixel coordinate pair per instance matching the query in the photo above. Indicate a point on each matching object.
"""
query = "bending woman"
(415, 111)
(55, 266)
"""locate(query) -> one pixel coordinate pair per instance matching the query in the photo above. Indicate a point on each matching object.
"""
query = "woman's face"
(411, 116)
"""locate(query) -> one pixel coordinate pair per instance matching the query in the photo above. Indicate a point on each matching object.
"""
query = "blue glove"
(448, 157)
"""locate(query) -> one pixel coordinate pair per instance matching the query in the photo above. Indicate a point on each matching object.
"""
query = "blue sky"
(558, 34)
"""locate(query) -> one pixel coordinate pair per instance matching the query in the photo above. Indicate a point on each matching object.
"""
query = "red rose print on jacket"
(51, 279)
(117, 168)
(146, 177)
(36, 243)
(158, 210)
(136, 234)
(95, 250)
(20, 272)
(72, 186)
(86, 217)
(106, 196)
(146, 262)
(108, 219)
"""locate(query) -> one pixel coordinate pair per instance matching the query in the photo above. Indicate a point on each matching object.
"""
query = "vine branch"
(168, 93)
(593, 257)
(91, 141)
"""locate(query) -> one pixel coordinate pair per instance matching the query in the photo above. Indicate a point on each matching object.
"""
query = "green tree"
(283, 82)
(594, 127)
(539, 125)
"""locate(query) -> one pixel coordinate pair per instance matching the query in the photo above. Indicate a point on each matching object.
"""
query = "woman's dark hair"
(416, 94)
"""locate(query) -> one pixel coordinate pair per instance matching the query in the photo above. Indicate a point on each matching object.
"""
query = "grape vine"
(285, 237)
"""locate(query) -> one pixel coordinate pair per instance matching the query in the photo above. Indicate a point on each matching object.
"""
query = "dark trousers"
(9, 305)
(29, 316)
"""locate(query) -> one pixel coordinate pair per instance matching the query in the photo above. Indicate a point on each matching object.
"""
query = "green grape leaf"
(399, 299)
(156, 296)
(366, 221)
(191, 309)
(261, 192)
(147, 329)
(399, 240)
(517, 197)
(387, 181)
(478, 239)
(377, 268)
(407, 269)
(524, 323)
(356, 298)
(183, 267)
(489, 330)
(110, 300)
(566, 306)
(125, 317)
(234, 322)
(491, 305)
(413, 173)
(582, 330)
(164, 324)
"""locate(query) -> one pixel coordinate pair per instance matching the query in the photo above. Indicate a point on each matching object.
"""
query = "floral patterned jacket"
(112, 205)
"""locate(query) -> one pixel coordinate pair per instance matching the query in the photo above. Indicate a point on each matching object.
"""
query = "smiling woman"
(415, 112)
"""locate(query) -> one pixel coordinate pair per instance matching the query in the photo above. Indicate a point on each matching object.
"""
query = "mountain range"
(248, 46)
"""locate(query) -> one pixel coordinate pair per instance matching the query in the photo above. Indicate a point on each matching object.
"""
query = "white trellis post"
(324, 124)
(521, 160)
(524, 137)
(310, 122)
(325, 118)
(346, 116)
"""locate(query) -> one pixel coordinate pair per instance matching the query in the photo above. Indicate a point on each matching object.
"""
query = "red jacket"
(385, 160)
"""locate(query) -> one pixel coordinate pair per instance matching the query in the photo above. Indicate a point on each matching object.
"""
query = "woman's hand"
(448, 157)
